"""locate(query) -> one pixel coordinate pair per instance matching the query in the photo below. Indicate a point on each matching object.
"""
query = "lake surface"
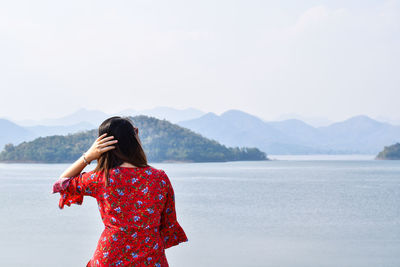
(289, 212)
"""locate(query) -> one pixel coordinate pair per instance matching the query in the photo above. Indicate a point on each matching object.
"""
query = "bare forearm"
(75, 169)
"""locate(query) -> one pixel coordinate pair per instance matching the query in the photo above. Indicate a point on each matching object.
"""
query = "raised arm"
(101, 145)
(73, 184)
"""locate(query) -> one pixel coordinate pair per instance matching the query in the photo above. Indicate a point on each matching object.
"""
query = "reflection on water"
(289, 212)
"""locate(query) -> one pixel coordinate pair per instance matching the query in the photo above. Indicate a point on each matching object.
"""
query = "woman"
(136, 200)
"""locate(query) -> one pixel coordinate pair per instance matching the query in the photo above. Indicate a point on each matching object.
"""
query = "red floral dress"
(137, 209)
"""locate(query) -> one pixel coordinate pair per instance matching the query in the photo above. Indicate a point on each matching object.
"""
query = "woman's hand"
(101, 145)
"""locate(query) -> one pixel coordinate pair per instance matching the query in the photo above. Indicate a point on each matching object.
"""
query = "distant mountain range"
(357, 135)
(13, 133)
(314, 121)
(95, 117)
(161, 139)
(81, 120)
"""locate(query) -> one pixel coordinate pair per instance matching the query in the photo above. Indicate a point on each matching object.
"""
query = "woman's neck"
(126, 164)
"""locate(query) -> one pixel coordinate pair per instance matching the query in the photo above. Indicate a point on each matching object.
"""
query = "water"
(291, 212)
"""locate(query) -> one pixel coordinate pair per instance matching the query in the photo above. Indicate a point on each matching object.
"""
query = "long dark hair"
(128, 149)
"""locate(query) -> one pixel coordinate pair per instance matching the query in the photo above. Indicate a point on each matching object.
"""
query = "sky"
(331, 59)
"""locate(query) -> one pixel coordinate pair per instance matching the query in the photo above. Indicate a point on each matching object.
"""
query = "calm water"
(291, 212)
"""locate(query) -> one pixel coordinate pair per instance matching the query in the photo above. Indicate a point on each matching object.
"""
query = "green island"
(162, 141)
(390, 152)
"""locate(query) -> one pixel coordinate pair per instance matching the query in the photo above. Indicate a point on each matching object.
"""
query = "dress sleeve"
(170, 230)
(72, 189)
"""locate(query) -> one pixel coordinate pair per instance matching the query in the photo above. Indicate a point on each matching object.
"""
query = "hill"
(162, 141)
(356, 135)
(235, 128)
(13, 133)
(170, 114)
(390, 152)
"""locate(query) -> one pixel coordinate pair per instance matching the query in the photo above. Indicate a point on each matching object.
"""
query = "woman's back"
(134, 198)
(138, 210)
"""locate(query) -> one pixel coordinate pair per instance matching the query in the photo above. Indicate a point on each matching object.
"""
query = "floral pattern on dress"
(138, 212)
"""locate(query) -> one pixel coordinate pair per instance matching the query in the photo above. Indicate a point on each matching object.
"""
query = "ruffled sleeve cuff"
(68, 197)
(61, 184)
(173, 234)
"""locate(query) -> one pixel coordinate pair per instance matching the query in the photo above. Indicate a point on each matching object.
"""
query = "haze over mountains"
(80, 120)
(95, 117)
(162, 140)
(356, 135)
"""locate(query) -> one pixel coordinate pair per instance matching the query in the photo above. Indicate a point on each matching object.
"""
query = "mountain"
(360, 134)
(43, 130)
(390, 152)
(314, 121)
(13, 133)
(298, 131)
(238, 128)
(392, 121)
(356, 135)
(162, 141)
(232, 126)
(171, 114)
(93, 117)
(80, 120)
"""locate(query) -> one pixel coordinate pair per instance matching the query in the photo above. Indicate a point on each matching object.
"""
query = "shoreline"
(323, 157)
(277, 157)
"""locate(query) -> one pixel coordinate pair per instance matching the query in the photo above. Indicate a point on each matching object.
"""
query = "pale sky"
(332, 59)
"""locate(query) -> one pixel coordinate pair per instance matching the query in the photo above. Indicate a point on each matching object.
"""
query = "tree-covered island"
(390, 152)
(161, 140)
